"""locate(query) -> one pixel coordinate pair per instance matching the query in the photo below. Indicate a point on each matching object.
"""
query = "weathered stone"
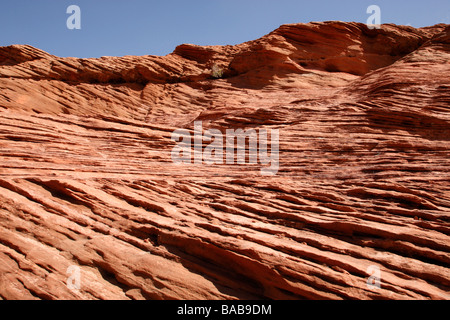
(87, 180)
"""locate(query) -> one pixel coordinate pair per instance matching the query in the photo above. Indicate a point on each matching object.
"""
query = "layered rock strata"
(87, 178)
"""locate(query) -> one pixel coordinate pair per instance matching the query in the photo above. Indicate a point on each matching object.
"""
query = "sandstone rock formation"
(86, 176)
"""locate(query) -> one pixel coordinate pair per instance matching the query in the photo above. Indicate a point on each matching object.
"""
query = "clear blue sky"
(142, 27)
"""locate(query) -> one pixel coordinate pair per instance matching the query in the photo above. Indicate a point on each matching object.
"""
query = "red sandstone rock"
(86, 176)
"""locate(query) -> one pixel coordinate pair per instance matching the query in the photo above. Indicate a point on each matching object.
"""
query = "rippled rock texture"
(87, 179)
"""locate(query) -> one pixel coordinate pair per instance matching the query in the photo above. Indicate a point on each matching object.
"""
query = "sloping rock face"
(87, 179)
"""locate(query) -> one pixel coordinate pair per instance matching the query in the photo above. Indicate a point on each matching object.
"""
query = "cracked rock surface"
(87, 179)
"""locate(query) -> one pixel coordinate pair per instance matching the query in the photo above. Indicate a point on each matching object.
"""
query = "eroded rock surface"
(87, 179)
